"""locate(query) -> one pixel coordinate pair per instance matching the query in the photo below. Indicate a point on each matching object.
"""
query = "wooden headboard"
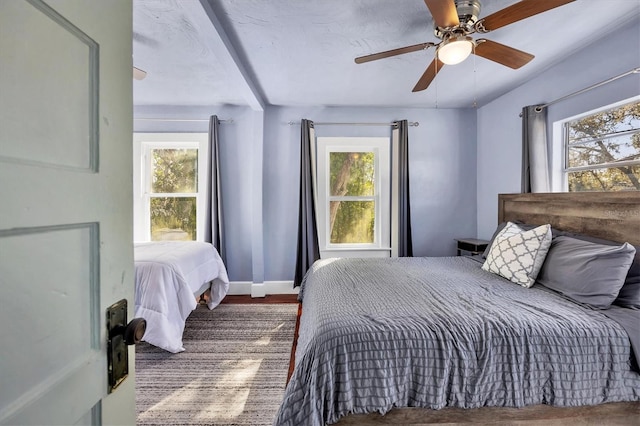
(610, 215)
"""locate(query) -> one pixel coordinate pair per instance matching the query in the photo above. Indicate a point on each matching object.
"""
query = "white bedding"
(167, 273)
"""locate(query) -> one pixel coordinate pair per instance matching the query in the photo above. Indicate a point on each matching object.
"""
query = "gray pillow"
(629, 296)
(586, 272)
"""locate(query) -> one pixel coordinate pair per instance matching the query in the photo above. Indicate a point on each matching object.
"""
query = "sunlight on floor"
(237, 377)
(227, 398)
(266, 339)
(235, 387)
(182, 395)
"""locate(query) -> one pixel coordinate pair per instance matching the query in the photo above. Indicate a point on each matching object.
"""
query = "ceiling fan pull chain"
(475, 79)
(436, 82)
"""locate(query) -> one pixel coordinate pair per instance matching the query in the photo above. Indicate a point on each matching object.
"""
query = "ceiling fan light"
(455, 50)
(139, 74)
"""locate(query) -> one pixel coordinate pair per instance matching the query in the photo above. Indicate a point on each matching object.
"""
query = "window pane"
(613, 179)
(619, 119)
(351, 173)
(173, 218)
(619, 148)
(174, 170)
(352, 222)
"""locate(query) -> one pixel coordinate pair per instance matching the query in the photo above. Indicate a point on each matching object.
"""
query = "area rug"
(233, 370)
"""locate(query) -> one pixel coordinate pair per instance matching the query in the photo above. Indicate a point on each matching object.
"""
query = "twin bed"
(170, 276)
(380, 335)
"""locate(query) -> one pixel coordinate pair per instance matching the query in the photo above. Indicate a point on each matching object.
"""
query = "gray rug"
(233, 371)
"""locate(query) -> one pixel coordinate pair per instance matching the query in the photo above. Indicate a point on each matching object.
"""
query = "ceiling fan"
(455, 20)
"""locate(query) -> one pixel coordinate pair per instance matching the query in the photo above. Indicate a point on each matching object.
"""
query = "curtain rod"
(182, 120)
(593, 86)
(411, 123)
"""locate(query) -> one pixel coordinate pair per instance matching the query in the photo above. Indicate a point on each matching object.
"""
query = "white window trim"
(381, 247)
(142, 144)
(559, 175)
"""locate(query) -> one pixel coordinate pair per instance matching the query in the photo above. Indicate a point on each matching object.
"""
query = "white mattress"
(167, 273)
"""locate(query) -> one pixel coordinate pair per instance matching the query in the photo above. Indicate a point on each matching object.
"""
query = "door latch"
(119, 335)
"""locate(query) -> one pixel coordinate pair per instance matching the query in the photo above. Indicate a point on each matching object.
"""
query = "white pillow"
(518, 255)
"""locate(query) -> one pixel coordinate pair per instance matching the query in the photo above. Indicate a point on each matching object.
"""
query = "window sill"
(356, 248)
(356, 252)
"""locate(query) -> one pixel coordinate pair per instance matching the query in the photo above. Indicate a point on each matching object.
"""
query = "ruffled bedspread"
(435, 332)
(167, 274)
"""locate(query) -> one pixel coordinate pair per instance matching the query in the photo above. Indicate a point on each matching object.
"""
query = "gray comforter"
(435, 332)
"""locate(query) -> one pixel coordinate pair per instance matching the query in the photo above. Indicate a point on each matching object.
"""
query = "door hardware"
(119, 335)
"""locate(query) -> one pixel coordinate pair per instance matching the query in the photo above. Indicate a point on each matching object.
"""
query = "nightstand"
(471, 245)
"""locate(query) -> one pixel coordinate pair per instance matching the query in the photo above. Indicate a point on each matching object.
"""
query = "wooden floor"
(617, 414)
(270, 298)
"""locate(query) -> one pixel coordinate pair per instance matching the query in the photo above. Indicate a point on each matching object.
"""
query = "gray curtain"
(401, 137)
(535, 161)
(308, 247)
(214, 224)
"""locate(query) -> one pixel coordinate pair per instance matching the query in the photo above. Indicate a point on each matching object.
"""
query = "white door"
(65, 208)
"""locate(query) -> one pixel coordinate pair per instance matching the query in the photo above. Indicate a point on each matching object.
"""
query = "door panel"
(47, 48)
(69, 287)
(66, 208)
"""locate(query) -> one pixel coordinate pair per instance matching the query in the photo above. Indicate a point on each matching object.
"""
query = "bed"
(443, 333)
(170, 276)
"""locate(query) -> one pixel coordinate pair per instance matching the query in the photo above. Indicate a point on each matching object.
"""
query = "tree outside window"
(354, 196)
(173, 194)
(603, 150)
(351, 201)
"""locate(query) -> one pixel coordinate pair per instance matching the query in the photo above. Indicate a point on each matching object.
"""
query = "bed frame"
(614, 216)
(610, 215)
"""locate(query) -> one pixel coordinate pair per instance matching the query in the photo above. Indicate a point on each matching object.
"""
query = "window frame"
(381, 147)
(144, 143)
(148, 147)
(561, 129)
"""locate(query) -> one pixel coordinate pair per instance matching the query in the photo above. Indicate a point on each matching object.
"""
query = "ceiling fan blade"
(444, 12)
(393, 52)
(517, 12)
(505, 55)
(139, 74)
(428, 76)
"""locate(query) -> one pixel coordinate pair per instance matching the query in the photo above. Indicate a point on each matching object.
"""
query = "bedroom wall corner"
(237, 184)
(442, 152)
(500, 127)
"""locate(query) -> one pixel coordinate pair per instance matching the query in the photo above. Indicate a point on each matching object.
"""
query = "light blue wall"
(442, 169)
(499, 126)
(442, 175)
(460, 160)
(236, 154)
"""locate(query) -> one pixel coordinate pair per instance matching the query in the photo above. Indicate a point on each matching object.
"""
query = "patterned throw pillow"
(518, 255)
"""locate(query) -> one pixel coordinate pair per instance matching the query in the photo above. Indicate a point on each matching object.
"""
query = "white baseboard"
(261, 289)
(258, 290)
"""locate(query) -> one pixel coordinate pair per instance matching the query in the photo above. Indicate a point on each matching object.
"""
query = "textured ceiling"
(294, 52)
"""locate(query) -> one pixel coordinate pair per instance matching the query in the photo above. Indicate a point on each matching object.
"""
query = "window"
(172, 193)
(171, 175)
(354, 196)
(602, 149)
